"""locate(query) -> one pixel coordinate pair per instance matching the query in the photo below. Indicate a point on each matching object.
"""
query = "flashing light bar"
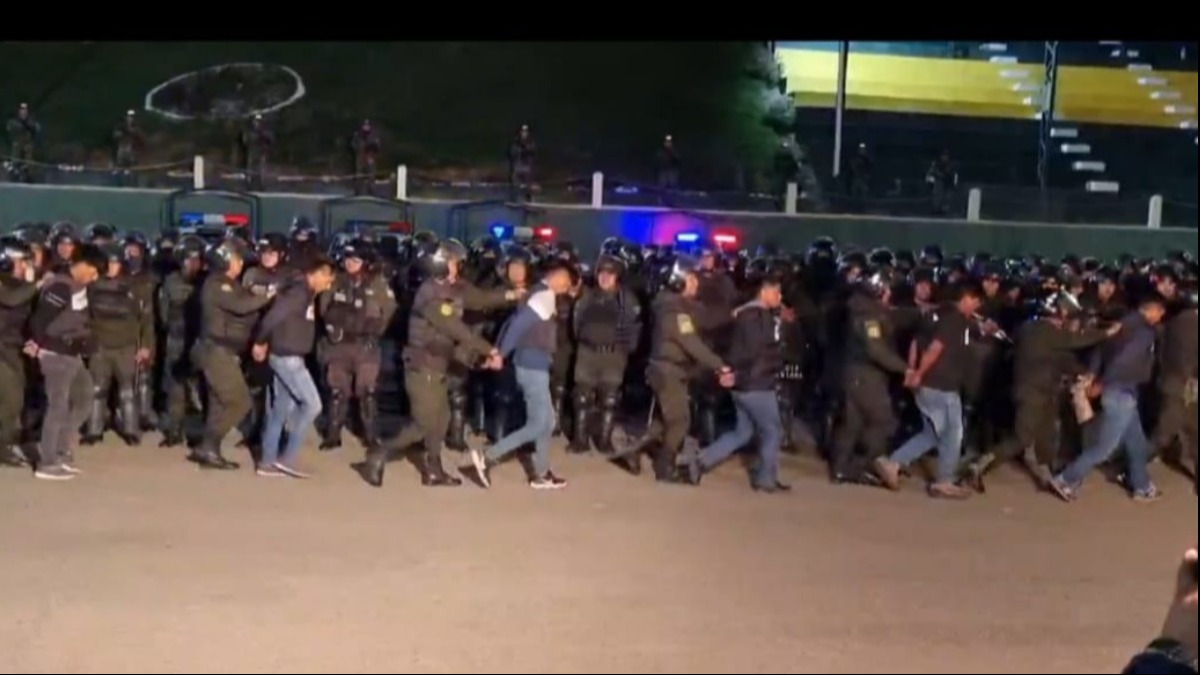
(193, 218)
(544, 232)
(504, 232)
(725, 241)
(687, 237)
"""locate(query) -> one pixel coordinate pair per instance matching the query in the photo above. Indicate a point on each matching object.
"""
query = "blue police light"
(501, 231)
(196, 219)
(687, 237)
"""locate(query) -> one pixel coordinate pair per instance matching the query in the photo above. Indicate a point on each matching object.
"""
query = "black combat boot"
(131, 420)
(368, 414)
(93, 431)
(208, 456)
(376, 462)
(335, 419)
(456, 435)
(145, 404)
(559, 401)
(255, 420)
(580, 439)
(433, 474)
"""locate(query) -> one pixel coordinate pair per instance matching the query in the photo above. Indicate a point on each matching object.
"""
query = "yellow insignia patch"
(227, 288)
(447, 309)
(873, 330)
(685, 324)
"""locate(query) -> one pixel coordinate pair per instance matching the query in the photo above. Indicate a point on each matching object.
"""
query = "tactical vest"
(226, 328)
(179, 302)
(113, 301)
(602, 322)
(354, 308)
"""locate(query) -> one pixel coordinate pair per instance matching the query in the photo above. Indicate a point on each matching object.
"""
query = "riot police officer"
(1043, 359)
(675, 348)
(607, 324)
(122, 322)
(435, 328)
(355, 312)
(229, 313)
(145, 282)
(17, 293)
(870, 360)
(179, 317)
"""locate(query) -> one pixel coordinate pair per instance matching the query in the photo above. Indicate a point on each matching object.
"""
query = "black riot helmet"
(423, 238)
(610, 246)
(99, 233)
(12, 251)
(272, 241)
(357, 248)
(220, 254)
(113, 252)
(437, 263)
(610, 263)
(882, 257)
(189, 246)
(679, 271)
(878, 284)
(302, 229)
(64, 227)
(931, 256)
(1061, 304)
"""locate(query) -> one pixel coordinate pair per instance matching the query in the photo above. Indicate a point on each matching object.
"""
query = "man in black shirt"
(938, 380)
(60, 335)
(756, 356)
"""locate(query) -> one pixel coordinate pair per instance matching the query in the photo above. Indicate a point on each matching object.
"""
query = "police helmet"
(302, 229)
(190, 246)
(99, 233)
(677, 274)
(12, 250)
(878, 283)
(63, 227)
(1061, 303)
(931, 256)
(274, 242)
(33, 234)
(359, 249)
(610, 263)
(114, 252)
(882, 257)
(221, 254)
(611, 246)
(437, 263)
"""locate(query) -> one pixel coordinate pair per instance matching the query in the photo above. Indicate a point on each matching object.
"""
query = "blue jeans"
(539, 421)
(295, 404)
(942, 417)
(1120, 424)
(757, 412)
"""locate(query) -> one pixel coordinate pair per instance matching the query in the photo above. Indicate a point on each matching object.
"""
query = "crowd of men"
(874, 358)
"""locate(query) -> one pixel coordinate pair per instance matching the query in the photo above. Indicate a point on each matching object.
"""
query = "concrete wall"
(143, 210)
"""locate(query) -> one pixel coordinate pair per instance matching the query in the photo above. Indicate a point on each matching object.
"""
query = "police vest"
(354, 309)
(602, 322)
(112, 300)
(179, 304)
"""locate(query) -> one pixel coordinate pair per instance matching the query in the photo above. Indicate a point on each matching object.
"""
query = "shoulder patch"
(447, 309)
(874, 331)
(685, 324)
(227, 288)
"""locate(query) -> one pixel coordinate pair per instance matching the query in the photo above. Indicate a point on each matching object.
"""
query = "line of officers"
(170, 326)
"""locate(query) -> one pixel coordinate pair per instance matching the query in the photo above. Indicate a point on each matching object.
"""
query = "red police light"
(725, 240)
(236, 220)
(401, 227)
(544, 232)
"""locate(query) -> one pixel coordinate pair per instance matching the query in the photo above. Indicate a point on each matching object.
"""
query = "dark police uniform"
(675, 349)
(356, 312)
(607, 325)
(16, 306)
(1177, 381)
(230, 312)
(871, 360)
(434, 328)
(179, 316)
(145, 283)
(716, 297)
(1044, 356)
(121, 323)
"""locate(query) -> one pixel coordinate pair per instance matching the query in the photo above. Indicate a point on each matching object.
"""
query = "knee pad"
(584, 398)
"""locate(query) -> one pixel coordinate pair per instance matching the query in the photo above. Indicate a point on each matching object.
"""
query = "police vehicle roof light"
(501, 230)
(221, 219)
(725, 239)
(544, 232)
(687, 237)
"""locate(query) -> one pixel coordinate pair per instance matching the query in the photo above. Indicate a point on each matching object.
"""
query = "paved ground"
(146, 564)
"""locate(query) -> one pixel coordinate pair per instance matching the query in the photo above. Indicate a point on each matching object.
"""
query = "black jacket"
(61, 322)
(290, 326)
(756, 348)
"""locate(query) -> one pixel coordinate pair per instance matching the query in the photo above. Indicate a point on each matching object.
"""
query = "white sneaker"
(481, 467)
(72, 469)
(53, 473)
